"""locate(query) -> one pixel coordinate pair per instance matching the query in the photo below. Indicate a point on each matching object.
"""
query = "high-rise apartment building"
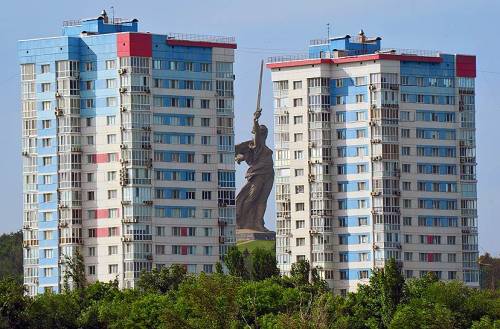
(128, 152)
(375, 159)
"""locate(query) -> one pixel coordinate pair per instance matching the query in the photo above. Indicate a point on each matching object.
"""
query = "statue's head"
(263, 131)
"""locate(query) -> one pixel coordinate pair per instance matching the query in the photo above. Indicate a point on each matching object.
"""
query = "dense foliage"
(11, 255)
(252, 297)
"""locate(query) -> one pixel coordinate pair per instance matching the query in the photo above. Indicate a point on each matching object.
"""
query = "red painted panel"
(183, 231)
(429, 239)
(101, 158)
(102, 213)
(102, 232)
(184, 250)
(430, 257)
(206, 44)
(466, 66)
(134, 44)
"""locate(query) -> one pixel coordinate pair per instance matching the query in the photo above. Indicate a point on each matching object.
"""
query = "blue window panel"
(167, 101)
(226, 178)
(442, 204)
(354, 256)
(168, 156)
(168, 193)
(353, 221)
(168, 174)
(173, 138)
(439, 221)
(172, 119)
(175, 212)
(354, 238)
(443, 134)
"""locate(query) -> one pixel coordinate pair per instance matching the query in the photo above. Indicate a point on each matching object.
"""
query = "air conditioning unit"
(126, 239)
(397, 192)
(123, 146)
(312, 144)
(125, 203)
(375, 193)
(58, 94)
(123, 90)
(373, 107)
(25, 153)
(377, 158)
(312, 178)
(147, 90)
(122, 71)
(372, 87)
(376, 141)
(123, 108)
(372, 123)
(58, 112)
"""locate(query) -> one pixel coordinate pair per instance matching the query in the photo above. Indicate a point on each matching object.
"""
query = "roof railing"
(76, 22)
(326, 54)
(200, 37)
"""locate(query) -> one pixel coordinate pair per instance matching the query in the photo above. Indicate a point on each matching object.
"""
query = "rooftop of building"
(103, 24)
(344, 49)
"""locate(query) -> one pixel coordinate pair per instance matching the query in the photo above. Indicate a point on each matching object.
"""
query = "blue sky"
(267, 28)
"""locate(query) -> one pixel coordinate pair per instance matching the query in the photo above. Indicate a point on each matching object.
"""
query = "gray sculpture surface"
(251, 202)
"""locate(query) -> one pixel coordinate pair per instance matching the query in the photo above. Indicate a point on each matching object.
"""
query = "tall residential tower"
(127, 151)
(375, 159)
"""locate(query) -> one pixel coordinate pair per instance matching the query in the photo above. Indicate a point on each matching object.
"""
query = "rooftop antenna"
(328, 39)
(112, 8)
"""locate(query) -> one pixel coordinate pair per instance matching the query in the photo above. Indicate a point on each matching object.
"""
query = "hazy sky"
(267, 28)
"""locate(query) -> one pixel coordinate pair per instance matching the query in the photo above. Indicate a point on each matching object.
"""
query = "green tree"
(163, 280)
(205, 301)
(11, 255)
(235, 263)
(263, 264)
(300, 272)
(74, 272)
(13, 304)
(421, 315)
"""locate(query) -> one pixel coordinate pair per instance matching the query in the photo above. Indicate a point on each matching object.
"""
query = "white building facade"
(375, 159)
(128, 149)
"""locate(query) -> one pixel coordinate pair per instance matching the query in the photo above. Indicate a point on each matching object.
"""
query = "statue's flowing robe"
(251, 202)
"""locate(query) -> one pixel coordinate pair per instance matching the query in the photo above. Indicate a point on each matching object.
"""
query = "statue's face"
(263, 130)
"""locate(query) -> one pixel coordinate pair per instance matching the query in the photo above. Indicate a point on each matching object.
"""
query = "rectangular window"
(92, 251)
(300, 224)
(110, 101)
(112, 250)
(110, 83)
(299, 206)
(111, 175)
(45, 87)
(297, 102)
(110, 64)
(46, 105)
(300, 242)
(297, 85)
(298, 119)
(113, 268)
(299, 172)
(111, 138)
(110, 120)
(45, 68)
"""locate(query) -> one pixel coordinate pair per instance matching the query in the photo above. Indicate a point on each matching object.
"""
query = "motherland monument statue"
(251, 201)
